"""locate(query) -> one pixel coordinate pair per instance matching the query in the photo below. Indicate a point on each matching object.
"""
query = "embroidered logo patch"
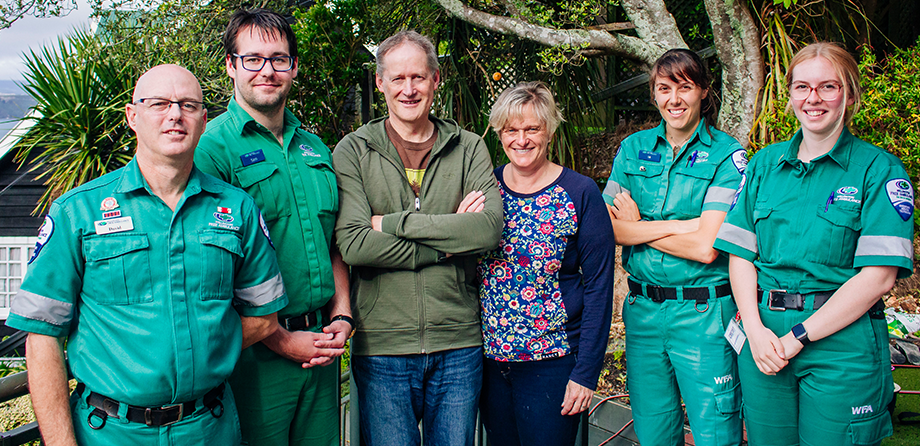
(738, 192)
(306, 150)
(739, 159)
(265, 230)
(847, 190)
(226, 218)
(901, 196)
(108, 204)
(44, 234)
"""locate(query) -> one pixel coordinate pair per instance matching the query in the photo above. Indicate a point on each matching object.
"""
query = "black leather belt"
(302, 322)
(151, 416)
(780, 300)
(660, 294)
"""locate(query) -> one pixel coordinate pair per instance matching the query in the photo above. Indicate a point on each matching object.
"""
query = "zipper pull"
(418, 204)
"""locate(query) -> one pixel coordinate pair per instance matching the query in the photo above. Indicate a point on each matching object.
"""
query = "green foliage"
(890, 113)
(13, 10)
(81, 133)
(332, 59)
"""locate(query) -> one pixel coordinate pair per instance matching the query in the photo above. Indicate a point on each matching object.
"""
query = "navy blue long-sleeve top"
(547, 290)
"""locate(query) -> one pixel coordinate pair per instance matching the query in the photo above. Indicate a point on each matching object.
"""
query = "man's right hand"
(299, 346)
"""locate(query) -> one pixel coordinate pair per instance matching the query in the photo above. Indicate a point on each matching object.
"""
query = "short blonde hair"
(844, 65)
(510, 105)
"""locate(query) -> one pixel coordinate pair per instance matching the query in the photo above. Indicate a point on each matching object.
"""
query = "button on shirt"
(703, 176)
(809, 227)
(295, 187)
(150, 298)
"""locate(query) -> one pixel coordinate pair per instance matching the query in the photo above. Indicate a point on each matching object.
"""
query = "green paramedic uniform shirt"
(296, 189)
(150, 298)
(703, 177)
(809, 227)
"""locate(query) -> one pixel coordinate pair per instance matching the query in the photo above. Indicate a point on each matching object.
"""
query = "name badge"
(735, 335)
(645, 155)
(114, 225)
(252, 158)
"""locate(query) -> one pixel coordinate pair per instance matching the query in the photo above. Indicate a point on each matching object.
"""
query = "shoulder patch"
(44, 234)
(740, 188)
(739, 159)
(265, 230)
(901, 196)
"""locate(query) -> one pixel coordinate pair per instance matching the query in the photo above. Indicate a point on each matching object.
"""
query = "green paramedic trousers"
(676, 349)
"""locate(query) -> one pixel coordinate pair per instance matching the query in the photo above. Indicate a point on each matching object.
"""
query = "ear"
(131, 116)
(379, 82)
(437, 79)
(296, 68)
(231, 70)
(705, 94)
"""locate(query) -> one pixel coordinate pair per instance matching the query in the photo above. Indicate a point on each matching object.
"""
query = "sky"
(33, 33)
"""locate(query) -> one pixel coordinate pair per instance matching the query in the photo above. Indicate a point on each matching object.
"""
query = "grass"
(906, 434)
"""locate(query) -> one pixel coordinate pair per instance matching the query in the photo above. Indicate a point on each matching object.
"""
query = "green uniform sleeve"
(887, 221)
(257, 286)
(358, 242)
(46, 300)
(466, 233)
(721, 191)
(618, 181)
(736, 235)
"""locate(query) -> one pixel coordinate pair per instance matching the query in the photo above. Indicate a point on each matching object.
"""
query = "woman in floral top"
(546, 290)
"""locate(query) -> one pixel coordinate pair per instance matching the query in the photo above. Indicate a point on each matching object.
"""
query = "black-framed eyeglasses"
(160, 105)
(252, 62)
(827, 91)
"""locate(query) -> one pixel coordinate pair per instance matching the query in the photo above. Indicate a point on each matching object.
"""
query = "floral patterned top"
(547, 290)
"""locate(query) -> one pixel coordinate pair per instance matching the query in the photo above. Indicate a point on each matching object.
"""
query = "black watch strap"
(799, 332)
(342, 317)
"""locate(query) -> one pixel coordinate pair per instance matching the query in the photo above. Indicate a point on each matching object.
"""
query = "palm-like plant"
(80, 132)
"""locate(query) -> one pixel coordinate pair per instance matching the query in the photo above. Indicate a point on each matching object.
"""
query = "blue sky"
(32, 33)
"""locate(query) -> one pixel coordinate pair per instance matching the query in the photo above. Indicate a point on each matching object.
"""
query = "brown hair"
(681, 64)
(844, 65)
(510, 105)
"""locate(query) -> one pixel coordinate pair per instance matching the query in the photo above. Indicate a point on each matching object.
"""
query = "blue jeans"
(396, 392)
(522, 402)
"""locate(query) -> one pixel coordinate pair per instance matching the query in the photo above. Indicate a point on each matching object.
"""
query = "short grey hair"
(408, 36)
(510, 105)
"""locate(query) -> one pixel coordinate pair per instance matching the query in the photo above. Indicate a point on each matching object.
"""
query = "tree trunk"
(737, 42)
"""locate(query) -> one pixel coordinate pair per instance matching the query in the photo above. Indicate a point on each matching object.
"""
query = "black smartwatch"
(799, 332)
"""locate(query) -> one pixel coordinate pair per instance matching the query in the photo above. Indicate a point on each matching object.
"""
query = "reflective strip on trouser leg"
(834, 392)
(199, 429)
(680, 342)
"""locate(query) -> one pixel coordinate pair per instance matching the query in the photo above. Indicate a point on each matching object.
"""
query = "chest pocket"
(263, 182)
(688, 191)
(117, 269)
(644, 183)
(765, 229)
(839, 227)
(219, 253)
(324, 184)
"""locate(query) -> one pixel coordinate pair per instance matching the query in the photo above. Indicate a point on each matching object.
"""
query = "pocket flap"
(846, 216)
(644, 169)
(869, 431)
(705, 171)
(111, 246)
(226, 240)
(250, 175)
(729, 401)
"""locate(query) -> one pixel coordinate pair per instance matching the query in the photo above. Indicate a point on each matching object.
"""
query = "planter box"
(609, 418)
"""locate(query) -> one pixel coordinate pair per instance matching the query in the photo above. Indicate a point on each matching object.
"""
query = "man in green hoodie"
(418, 202)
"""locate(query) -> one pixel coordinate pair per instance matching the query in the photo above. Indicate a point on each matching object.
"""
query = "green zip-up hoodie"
(406, 297)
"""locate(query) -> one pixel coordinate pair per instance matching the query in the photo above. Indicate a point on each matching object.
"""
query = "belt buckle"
(770, 301)
(148, 420)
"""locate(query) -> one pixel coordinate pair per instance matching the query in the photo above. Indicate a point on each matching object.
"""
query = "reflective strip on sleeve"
(882, 245)
(738, 236)
(262, 293)
(41, 308)
(612, 189)
(722, 195)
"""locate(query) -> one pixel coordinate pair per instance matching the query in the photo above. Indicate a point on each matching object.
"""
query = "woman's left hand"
(577, 398)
